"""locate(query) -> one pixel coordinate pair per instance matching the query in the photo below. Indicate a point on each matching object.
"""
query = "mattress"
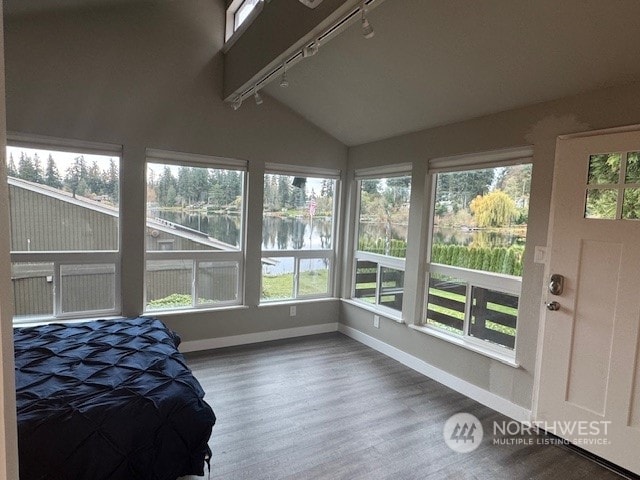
(108, 399)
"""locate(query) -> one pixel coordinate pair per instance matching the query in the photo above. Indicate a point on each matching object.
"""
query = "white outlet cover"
(376, 321)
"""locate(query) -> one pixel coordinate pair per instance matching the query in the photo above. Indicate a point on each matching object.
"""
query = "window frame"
(501, 283)
(396, 263)
(327, 254)
(233, 32)
(196, 257)
(80, 257)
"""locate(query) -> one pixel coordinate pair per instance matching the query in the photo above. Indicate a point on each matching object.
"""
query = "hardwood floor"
(328, 407)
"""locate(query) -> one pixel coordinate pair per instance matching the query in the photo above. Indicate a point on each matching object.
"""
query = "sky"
(63, 160)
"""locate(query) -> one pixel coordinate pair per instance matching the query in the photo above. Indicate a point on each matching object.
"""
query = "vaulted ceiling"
(434, 62)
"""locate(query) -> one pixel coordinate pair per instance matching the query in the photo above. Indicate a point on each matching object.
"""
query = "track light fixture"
(310, 50)
(284, 83)
(237, 102)
(256, 96)
(367, 29)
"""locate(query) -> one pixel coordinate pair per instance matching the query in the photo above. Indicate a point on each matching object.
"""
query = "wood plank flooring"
(328, 407)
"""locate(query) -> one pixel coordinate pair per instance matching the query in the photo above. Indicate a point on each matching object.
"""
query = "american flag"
(312, 206)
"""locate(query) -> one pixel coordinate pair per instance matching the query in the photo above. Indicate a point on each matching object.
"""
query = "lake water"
(299, 233)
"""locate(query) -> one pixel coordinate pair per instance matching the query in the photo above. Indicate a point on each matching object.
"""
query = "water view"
(301, 233)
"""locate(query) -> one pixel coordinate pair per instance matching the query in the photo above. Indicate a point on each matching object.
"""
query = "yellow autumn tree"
(496, 209)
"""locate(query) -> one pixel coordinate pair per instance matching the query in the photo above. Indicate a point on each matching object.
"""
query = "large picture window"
(194, 231)
(64, 210)
(379, 261)
(477, 242)
(298, 234)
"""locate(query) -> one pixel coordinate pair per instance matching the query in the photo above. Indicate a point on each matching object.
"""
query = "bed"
(108, 399)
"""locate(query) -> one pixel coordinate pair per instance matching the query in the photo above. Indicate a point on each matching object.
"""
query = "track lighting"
(367, 29)
(256, 96)
(284, 83)
(310, 50)
(237, 103)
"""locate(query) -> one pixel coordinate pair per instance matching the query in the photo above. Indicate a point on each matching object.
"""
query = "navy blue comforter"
(108, 399)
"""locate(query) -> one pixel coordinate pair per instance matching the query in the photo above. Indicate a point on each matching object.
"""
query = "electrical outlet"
(292, 311)
(376, 321)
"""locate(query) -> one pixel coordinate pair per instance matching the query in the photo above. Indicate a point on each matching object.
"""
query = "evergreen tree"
(94, 179)
(111, 181)
(26, 168)
(12, 170)
(370, 186)
(284, 193)
(51, 174)
(76, 172)
(37, 166)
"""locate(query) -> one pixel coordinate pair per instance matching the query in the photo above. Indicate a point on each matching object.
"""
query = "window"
(64, 210)
(194, 231)
(613, 186)
(298, 233)
(239, 14)
(383, 218)
(477, 241)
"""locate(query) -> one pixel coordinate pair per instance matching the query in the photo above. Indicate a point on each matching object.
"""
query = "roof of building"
(153, 223)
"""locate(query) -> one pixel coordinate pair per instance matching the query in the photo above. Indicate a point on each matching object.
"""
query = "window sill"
(375, 309)
(48, 320)
(295, 301)
(188, 311)
(461, 342)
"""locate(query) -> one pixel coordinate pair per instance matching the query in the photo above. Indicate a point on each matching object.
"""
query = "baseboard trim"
(470, 390)
(247, 338)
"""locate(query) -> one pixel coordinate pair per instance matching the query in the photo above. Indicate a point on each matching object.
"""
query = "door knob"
(553, 306)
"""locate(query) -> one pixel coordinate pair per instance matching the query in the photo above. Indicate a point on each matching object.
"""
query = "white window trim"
(44, 142)
(182, 159)
(231, 33)
(299, 171)
(500, 282)
(71, 258)
(297, 255)
(386, 171)
(477, 161)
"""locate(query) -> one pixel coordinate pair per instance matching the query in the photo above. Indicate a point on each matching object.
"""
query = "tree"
(110, 181)
(26, 168)
(76, 172)
(51, 174)
(166, 182)
(94, 179)
(370, 185)
(37, 166)
(496, 209)
(12, 171)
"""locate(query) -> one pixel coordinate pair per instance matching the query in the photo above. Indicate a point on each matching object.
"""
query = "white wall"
(538, 126)
(8, 428)
(150, 75)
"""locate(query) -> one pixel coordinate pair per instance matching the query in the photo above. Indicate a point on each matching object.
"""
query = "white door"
(589, 384)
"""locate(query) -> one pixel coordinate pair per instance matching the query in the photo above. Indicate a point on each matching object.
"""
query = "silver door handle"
(553, 306)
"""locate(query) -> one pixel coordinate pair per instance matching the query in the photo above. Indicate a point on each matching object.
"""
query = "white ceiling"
(21, 7)
(434, 62)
